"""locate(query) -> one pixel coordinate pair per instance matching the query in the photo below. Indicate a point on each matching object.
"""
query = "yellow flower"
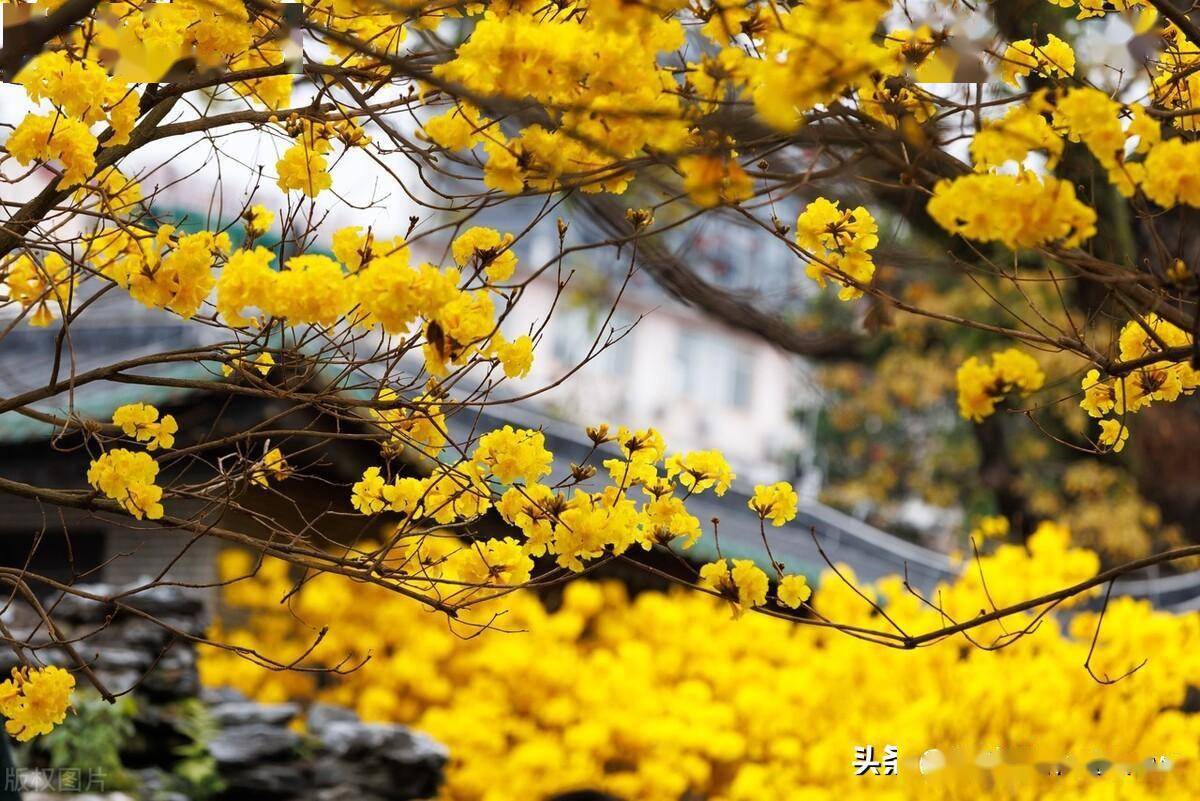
(793, 591)
(1023, 57)
(272, 466)
(775, 502)
(53, 136)
(840, 243)
(1019, 211)
(1099, 396)
(644, 445)
(367, 493)
(418, 423)
(745, 583)
(259, 220)
(991, 527)
(700, 470)
(37, 286)
(711, 180)
(1170, 170)
(487, 250)
(457, 129)
(140, 421)
(35, 700)
(128, 478)
(511, 455)
(981, 386)
(1013, 137)
(516, 357)
(497, 562)
(1113, 433)
(666, 518)
(528, 507)
(303, 168)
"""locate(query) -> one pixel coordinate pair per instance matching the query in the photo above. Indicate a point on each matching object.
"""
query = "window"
(576, 331)
(715, 370)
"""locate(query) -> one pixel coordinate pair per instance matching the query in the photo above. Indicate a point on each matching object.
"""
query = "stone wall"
(259, 750)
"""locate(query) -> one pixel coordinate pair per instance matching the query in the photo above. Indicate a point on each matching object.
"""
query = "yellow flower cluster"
(1023, 57)
(303, 166)
(991, 527)
(36, 286)
(128, 478)
(485, 249)
(608, 92)
(775, 502)
(711, 179)
(597, 76)
(807, 54)
(1175, 81)
(981, 386)
(506, 469)
(35, 700)
(153, 37)
(509, 455)
(1020, 211)
(744, 584)
(1170, 173)
(82, 94)
(259, 220)
(158, 271)
(665, 695)
(140, 421)
(376, 278)
(1092, 117)
(417, 423)
(82, 90)
(1157, 381)
(1011, 138)
(53, 137)
(698, 471)
(1025, 211)
(840, 243)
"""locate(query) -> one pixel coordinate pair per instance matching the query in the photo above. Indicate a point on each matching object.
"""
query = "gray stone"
(384, 759)
(221, 695)
(175, 676)
(242, 713)
(397, 744)
(266, 780)
(162, 601)
(321, 715)
(252, 744)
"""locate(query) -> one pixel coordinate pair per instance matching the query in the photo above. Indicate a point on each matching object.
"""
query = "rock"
(321, 715)
(163, 601)
(252, 744)
(350, 739)
(385, 759)
(176, 675)
(242, 713)
(221, 695)
(267, 780)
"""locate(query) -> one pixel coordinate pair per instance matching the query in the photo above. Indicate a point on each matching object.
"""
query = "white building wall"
(702, 384)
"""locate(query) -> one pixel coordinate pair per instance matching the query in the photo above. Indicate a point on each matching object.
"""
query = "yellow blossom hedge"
(668, 695)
